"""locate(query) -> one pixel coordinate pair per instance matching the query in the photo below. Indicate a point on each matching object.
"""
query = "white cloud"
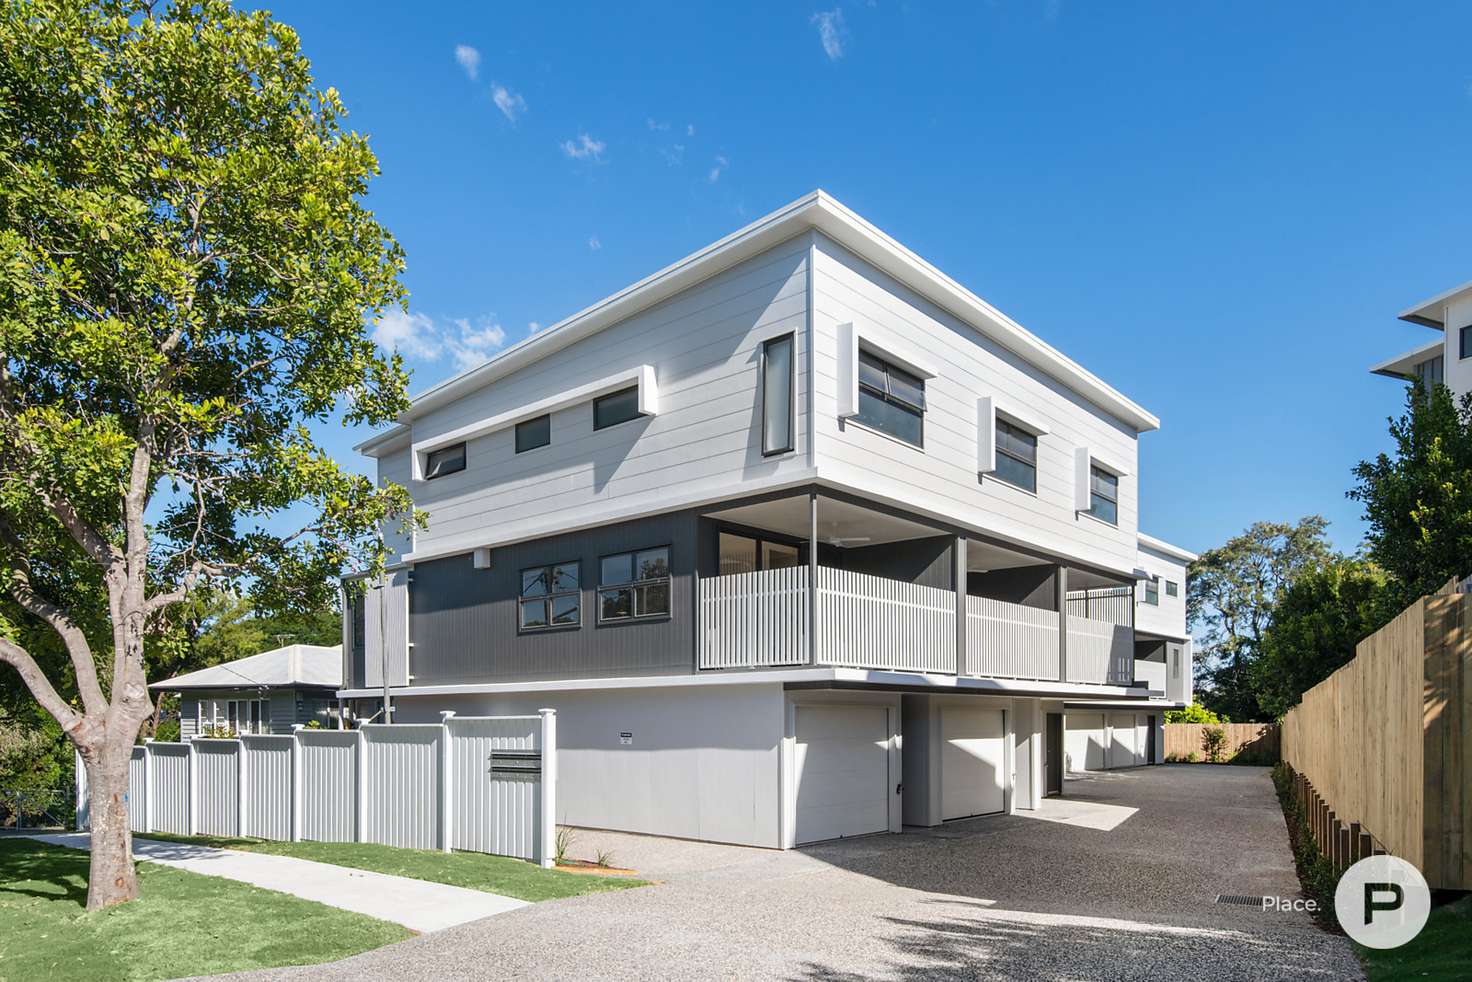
(655, 126)
(510, 103)
(690, 129)
(412, 335)
(715, 172)
(584, 147)
(532, 327)
(594, 244)
(474, 343)
(831, 32)
(674, 154)
(469, 60)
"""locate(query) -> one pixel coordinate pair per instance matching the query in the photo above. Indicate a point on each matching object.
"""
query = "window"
(446, 460)
(746, 554)
(1464, 342)
(632, 585)
(616, 407)
(1103, 495)
(1175, 662)
(1172, 588)
(777, 429)
(1152, 592)
(891, 400)
(533, 433)
(549, 597)
(1432, 371)
(1017, 456)
(232, 717)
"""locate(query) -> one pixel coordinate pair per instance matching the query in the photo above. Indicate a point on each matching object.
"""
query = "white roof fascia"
(1166, 549)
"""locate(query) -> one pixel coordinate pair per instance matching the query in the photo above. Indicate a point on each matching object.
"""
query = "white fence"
(755, 620)
(1007, 640)
(872, 622)
(484, 784)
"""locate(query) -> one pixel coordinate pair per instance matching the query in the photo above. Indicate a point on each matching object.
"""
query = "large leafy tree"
(186, 265)
(1418, 503)
(1318, 620)
(1229, 602)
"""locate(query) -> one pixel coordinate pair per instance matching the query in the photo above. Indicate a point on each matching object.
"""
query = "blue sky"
(1218, 208)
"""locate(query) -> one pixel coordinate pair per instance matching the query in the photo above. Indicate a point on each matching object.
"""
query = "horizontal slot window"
(533, 433)
(446, 460)
(616, 407)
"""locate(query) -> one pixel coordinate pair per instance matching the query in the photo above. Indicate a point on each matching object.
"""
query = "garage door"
(842, 771)
(1084, 741)
(973, 748)
(1122, 751)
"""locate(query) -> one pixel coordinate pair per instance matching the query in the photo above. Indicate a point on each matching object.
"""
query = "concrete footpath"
(419, 905)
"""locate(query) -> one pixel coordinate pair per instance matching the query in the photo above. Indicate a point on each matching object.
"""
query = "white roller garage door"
(842, 771)
(1084, 741)
(973, 750)
(1123, 752)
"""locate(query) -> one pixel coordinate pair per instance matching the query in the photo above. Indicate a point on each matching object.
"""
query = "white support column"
(547, 840)
(148, 786)
(1061, 581)
(360, 804)
(813, 578)
(1037, 741)
(959, 579)
(296, 783)
(1009, 759)
(242, 822)
(447, 784)
(192, 821)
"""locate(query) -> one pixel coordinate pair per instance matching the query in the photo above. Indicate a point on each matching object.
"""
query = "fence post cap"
(298, 726)
(445, 715)
(546, 712)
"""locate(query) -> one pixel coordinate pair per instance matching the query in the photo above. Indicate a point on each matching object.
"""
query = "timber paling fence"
(1260, 740)
(477, 783)
(1381, 751)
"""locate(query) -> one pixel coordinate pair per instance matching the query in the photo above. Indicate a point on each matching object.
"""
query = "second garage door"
(1123, 752)
(1084, 741)
(842, 771)
(973, 749)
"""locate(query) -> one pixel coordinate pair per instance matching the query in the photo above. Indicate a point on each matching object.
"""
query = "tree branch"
(18, 658)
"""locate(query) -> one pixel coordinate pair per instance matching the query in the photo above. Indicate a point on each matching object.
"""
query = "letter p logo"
(1384, 897)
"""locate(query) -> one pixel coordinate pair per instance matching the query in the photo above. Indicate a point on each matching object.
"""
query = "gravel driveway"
(1116, 881)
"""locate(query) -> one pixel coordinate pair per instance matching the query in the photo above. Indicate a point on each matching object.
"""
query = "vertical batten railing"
(757, 619)
(1099, 652)
(869, 621)
(1008, 640)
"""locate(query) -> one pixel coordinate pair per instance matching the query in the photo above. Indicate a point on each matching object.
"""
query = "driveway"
(1116, 881)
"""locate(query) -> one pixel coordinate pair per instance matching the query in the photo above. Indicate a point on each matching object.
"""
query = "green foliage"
(1315, 626)
(562, 843)
(1315, 873)
(34, 754)
(1418, 503)
(1229, 602)
(1194, 713)
(1214, 743)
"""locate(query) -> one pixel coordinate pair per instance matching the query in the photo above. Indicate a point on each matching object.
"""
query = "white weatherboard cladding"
(217, 765)
(329, 760)
(1083, 742)
(841, 771)
(973, 750)
(1169, 616)
(396, 469)
(403, 794)
(494, 811)
(169, 778)
(705, 348)
(942, 478)
(138, 790)
(1457, 371)
(267, 786)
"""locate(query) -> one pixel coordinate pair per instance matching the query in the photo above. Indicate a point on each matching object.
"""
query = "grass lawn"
(1443, 949)
(183, 924)
(472, 870)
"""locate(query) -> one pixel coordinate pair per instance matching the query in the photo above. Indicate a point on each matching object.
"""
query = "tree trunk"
(111, 879)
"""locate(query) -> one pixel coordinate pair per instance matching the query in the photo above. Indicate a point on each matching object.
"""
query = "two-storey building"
(799, 536)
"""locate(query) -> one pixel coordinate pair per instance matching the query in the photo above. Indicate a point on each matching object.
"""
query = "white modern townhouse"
(1448, 357)
(801, 539)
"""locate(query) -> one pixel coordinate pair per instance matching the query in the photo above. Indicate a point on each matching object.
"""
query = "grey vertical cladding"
(218, 769)
(463, 621)
(169, 777)
(267, 786)
(404, 793)
(1031, 586)
(926, 562)
(329, 761)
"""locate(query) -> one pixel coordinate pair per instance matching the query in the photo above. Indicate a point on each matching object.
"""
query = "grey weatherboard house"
(800, 538)
(269, 692)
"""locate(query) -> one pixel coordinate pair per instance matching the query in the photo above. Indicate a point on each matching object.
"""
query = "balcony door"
(745, 553)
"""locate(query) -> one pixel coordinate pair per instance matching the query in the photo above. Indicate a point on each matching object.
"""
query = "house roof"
(1165, 548)
(1404, 365)
(295, 664)
(817, 210)
(1432, 312)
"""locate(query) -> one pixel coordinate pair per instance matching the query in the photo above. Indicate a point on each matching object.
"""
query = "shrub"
(562, 844)
(1192, 757)
(1214, 743)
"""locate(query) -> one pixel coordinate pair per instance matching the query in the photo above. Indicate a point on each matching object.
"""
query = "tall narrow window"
(1103, 495)
(616, 407)
(777, 428)
(891, 399)
(1017, 456)
(1152, 592)
(1464, 341)
(444, 461)
(533, 433)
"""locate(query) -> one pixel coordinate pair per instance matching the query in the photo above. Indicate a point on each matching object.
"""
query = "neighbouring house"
(801, 539)
(1448, 358)
(268, 692)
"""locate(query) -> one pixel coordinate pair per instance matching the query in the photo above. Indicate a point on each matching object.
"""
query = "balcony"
(761, 619)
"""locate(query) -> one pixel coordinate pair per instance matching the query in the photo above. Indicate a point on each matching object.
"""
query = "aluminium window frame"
(516, 434)
(632, 585)
(887, 396)
(1094, 465)
(1152, 592)
(610, 395)
(997, 448)
(790, 339)
(549, 596)
(430, 474)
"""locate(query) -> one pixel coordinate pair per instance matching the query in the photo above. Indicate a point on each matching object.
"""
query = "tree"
(1316, 624)
(1194, 713)
(186, 267)
(1230, 597)
(1418, 504)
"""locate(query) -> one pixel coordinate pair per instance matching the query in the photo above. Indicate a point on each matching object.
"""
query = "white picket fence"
(478, 783)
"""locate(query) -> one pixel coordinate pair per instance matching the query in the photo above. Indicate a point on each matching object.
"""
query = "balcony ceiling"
(839, 523)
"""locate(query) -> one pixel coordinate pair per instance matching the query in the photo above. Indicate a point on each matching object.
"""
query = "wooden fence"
(1258, 740)
(1382, 749)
